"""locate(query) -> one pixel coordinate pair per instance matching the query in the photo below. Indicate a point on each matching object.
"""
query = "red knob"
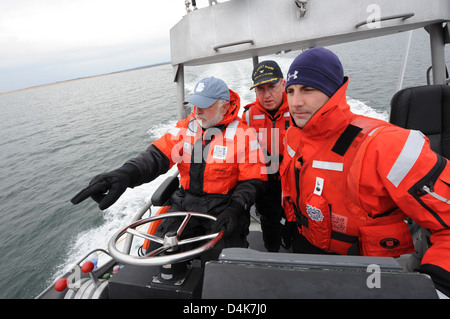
(87, 267)
(61, 284)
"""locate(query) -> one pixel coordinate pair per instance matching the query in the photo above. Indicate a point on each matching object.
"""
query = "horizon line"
(85, 77)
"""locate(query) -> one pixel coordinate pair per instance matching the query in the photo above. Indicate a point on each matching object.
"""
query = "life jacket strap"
(346, 139)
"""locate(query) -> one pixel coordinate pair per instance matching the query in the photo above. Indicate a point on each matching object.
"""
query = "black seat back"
(427, 109)
(163, 193)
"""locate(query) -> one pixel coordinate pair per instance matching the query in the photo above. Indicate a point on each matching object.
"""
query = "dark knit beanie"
(318, 68)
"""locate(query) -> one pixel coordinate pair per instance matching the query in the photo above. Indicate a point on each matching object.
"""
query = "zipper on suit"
(426, 186)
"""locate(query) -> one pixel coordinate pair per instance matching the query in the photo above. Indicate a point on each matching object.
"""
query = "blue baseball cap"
(207, 91)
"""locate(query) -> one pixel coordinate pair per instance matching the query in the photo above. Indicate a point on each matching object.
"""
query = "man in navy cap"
(269, 116)
(217, 156)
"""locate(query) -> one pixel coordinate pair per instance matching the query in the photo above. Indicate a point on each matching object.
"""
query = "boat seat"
(427, 109)
(162, 194)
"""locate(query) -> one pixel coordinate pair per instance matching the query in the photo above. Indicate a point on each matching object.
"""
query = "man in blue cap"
(217, 156)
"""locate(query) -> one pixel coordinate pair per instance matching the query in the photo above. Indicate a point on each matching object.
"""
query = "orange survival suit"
(271, 129)
(350, 181)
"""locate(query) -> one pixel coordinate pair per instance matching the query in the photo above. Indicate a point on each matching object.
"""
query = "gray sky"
(44, 41)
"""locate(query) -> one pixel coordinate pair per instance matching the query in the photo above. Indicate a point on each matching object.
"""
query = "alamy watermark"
(374, 18)
(374, 279)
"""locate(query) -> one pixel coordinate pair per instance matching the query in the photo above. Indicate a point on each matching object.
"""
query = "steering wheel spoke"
(157, 251)
(145, 236)
(183, 224)
(197, 239)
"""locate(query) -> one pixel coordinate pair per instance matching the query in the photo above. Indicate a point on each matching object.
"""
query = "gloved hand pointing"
(105, 188)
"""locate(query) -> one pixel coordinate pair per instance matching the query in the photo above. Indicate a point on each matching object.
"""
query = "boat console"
(249, 274)
(177, 281)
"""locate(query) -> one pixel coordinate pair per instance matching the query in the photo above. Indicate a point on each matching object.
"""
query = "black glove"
(228, 219)
(105, 188)
(287, 231)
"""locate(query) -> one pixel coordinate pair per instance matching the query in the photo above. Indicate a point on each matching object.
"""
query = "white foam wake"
(361, 108)
(116, 217)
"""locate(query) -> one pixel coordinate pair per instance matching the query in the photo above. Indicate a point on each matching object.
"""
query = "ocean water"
(55, 139)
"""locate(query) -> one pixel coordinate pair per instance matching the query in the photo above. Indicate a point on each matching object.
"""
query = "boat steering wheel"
(170, 242)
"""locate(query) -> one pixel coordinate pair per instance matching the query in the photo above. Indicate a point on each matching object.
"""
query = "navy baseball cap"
(266, 72)
(207, 91)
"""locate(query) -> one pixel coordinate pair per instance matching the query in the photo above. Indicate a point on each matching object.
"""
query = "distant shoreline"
(84, 77)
